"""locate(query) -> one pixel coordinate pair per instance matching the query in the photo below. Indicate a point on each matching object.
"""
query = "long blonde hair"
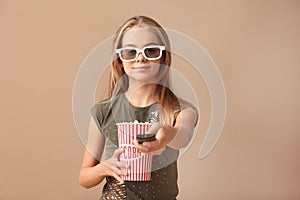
(118, 80)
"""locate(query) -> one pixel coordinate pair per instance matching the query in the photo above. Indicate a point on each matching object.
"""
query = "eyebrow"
(132, 45)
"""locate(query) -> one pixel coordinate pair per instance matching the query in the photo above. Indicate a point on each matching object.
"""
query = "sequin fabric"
(114, 191)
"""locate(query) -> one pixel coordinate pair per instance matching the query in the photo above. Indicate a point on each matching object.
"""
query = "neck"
(141, 95)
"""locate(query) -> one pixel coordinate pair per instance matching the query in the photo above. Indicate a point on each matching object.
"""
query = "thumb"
(155, 127)
(118, 152)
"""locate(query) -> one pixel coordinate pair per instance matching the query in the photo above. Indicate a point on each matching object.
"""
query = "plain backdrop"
(255, 44)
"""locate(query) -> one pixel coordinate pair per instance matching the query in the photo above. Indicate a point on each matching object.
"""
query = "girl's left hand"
(163, 135)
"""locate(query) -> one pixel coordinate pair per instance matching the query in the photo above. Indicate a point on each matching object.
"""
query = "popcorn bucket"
(140, 163)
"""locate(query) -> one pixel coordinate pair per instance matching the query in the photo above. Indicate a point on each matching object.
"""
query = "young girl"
(139, 89)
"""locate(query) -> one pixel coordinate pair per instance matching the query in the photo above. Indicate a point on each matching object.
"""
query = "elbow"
(83, 182)
(181, 141)
(86, 186)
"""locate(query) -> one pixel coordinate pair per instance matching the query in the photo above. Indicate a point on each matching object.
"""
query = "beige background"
(255, 44)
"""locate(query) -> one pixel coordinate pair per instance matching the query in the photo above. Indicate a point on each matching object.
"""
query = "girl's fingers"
(118, 171)
(121, 165)
(117, 153)
(147, 147)
(155, 127)
(116, 176)
(113, 170)
(114, 165)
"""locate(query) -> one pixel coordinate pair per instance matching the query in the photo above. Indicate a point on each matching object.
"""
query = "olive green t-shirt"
(164, 175)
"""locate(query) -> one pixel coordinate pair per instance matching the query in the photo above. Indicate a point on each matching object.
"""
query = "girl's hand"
(176, 137)
(112, 166)
(164, 134)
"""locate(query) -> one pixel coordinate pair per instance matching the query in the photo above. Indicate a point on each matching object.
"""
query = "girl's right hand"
(112, 166)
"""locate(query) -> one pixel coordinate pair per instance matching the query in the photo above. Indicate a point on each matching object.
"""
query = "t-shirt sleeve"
(185, 104)
(97, 116)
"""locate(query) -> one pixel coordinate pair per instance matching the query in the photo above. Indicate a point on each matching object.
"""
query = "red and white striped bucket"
(140, 163)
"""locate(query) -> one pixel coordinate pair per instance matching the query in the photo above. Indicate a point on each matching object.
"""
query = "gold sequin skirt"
(113, 190)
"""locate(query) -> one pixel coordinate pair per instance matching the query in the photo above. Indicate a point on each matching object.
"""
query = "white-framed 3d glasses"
(151, 52)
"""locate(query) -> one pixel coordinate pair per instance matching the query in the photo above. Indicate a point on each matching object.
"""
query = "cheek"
(126, 67)
(156, 67)
(156, 64)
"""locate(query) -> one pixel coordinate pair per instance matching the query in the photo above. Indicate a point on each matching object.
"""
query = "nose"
(140, 58)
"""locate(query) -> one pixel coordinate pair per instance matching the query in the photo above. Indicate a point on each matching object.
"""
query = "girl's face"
(141, 69)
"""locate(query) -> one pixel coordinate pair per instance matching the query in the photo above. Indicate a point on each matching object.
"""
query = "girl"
(139, 89)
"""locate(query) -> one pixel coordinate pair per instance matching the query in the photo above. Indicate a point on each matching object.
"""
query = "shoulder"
(102, 105)
(189, 111)
(185, 105)
(101, 112)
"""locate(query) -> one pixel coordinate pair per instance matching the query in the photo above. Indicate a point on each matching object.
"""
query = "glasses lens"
(128, 54)
(152, 52)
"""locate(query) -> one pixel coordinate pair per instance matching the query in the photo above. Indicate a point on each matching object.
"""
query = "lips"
(141, 67)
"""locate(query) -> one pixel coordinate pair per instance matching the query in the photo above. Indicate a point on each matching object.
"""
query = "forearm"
(174, 137)
(92, 176)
